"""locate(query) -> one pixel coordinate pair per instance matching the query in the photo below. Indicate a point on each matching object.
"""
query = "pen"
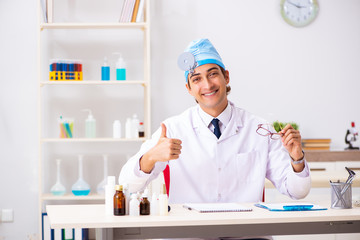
(188, 208)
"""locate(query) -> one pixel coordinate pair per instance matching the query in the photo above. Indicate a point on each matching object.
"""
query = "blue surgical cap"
(204, 53)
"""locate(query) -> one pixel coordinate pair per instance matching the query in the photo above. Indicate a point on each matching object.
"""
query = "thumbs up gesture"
(166, 149)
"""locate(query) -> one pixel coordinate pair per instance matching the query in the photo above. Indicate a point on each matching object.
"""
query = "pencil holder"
(341, 195)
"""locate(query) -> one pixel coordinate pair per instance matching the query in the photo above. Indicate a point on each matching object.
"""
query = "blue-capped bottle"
(120, 69)
(105, 70)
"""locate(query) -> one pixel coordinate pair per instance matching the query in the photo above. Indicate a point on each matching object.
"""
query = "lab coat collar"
(224, 117)
(233, 125)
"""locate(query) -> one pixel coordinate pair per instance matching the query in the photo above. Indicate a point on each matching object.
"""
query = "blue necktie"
(215, 122)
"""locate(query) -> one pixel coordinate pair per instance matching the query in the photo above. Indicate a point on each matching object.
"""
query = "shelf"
(92, 25)
(332, 156)
(89, 82)
(69, 196)
(80, 140)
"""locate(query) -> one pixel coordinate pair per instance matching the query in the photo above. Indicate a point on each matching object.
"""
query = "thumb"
(163, 131)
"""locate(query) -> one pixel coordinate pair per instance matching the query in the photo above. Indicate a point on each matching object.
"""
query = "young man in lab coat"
(222, 160)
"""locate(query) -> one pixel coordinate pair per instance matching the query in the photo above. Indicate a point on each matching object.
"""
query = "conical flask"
(58, 189)
(101, 186)
(80, 187)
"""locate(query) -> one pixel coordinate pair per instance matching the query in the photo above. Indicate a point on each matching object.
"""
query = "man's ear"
(188, 87)
(227, 77)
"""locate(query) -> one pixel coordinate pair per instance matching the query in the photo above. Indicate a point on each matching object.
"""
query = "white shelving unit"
(44, 84)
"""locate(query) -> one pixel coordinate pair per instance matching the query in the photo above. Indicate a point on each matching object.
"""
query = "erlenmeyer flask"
(58, 189)
(101, 186)
(80, 187)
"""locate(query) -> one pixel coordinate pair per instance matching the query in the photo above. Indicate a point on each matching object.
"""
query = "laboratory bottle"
(90, 125)
(141, 130)
(154, 205)
(100, 189)
(128, 128)
(58, 189)
(105, 70)
(134, 205)
(120, 69)
(135, 126)
(80, 187)
(145, 204)
(163, 202)
(119, 201)
(109, 195)
(117, 129)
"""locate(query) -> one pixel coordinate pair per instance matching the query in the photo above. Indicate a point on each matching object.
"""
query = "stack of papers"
(294, 206)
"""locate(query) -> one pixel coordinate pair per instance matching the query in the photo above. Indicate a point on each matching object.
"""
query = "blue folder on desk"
(293, 206)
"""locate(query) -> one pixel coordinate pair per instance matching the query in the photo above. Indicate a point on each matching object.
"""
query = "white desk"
(185, 223)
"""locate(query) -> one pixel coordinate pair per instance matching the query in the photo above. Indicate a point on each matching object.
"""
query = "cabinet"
(108, 100)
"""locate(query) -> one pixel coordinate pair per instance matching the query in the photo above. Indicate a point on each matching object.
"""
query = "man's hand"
(166, 149)
(292, 142)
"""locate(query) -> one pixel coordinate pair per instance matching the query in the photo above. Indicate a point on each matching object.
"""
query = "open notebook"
(216, 207)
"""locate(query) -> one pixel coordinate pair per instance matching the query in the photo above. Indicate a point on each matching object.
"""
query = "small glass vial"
(119, 201)
(141, 130)
(145, 204)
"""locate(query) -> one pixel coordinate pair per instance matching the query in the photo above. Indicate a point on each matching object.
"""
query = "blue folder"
(293, 206)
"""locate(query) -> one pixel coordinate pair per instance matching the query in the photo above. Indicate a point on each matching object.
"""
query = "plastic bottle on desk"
(134, 205)
(163, 202)
(109, 195)
(154, 205)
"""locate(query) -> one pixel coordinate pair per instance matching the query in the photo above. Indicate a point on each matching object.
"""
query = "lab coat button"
(219, 196)
(219, 169)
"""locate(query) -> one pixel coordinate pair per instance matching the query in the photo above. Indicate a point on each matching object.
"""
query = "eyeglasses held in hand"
(264, 131)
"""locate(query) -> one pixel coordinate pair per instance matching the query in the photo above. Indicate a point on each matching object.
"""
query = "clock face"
(299, 13)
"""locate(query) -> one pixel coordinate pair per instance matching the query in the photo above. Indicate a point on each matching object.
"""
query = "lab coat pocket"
(247, 166)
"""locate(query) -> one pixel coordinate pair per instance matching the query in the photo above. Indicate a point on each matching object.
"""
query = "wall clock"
(299, 13)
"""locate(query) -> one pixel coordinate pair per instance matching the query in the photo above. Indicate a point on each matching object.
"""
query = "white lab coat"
(232, 168)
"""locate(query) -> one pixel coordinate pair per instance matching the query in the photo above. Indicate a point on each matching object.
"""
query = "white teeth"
(209, 94)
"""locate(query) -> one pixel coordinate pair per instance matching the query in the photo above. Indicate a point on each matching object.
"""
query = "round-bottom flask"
(58, 189)
(101, 186)
(80, 187)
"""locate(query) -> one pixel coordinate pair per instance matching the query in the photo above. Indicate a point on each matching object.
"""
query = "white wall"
(308, 75)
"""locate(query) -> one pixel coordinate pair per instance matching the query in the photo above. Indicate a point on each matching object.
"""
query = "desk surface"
(93, 216)
(184, 223)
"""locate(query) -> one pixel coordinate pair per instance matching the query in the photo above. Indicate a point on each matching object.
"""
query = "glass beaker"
(66, 127)
(80, 187)
(58, 189)
(101, 186)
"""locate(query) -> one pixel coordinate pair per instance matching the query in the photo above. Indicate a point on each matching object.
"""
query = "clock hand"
(296, 5)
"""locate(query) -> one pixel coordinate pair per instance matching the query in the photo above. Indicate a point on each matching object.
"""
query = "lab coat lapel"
(200, 128)
(233, 127)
